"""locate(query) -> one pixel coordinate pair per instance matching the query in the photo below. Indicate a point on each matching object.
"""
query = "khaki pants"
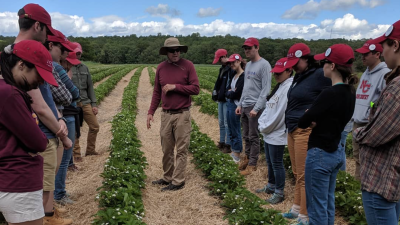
(175, 131)
(94, 127)
(298, 146)
(50, 165)
(356, 151)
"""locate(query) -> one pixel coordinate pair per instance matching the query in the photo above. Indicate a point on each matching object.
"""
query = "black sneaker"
(160, 182)
(172, 187)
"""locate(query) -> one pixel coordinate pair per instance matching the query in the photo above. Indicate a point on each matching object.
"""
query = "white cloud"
(209, 12)
(311, 9)
(347, 26)
(162, 10)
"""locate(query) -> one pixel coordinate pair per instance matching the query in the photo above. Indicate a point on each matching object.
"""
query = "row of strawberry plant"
(120, 198)
(105, 88)
(152, 75)
(207, 105)
(105, 73)
(241, 206)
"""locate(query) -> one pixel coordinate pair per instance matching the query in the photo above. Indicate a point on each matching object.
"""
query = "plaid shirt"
(61, 95)
(380, 144)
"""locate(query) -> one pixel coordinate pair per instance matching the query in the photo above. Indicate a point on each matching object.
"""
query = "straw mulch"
(209, 125)
(102, 81)
(192, 204)
(82, 184)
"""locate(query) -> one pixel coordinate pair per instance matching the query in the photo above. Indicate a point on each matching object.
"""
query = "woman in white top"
(272, 127)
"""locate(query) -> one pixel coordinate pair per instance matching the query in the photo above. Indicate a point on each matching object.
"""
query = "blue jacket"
(304, 90)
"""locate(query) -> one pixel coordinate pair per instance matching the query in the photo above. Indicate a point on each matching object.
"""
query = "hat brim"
(362, 50)
(248, 45)
(378, 40)
(47, 76)
(51, 30)
(278, 70)
(163, 50)
(73, 61)
(320, 56)
(216, 59)
(67, 46)
(291, 62)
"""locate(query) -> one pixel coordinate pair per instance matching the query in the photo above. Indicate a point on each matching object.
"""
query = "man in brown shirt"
(175, 81)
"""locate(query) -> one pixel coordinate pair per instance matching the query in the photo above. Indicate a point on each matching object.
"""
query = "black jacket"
(220, 86)
(235, 95)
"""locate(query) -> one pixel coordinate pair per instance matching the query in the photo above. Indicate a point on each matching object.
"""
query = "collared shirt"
(83, 81)
(61, 95)
(380, 145)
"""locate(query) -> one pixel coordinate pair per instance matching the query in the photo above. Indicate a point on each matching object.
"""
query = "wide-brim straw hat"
(171, 43)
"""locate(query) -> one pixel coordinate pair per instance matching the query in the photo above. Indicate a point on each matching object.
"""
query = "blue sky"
(281, 19)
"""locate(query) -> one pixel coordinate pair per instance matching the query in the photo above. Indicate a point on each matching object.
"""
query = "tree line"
(144, 49)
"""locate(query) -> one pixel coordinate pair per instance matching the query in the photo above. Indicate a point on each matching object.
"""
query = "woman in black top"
(327, 117)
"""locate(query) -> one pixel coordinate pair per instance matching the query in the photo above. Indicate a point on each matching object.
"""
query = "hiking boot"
(64, 201)
(221, 145)
(172, 187)
(276, 198)
(92, 153)
(226, 149)
(265, 189)
(160, 182)
(56, 220)
(243, 163)
(248, 170)
(59, 211)
(290, 215)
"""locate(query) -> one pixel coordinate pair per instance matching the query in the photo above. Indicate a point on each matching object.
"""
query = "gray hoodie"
(370, 87)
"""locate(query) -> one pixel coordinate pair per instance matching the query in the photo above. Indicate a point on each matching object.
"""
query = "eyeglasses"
(247, 48)
(173, 50)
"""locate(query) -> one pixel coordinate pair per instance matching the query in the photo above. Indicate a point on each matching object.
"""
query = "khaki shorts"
(50, 165)
(22, 207)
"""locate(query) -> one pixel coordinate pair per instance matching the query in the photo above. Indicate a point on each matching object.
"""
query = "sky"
(307, 19)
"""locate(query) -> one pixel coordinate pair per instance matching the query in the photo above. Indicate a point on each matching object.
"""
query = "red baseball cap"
(250, 42)
(393, 32)
(71, 58)
(338, 53)
(37, 12)
(295, 52)
(369, 46)
(35, 53)
(220, 52)
(76, 46)
(234, 57)
(60, 38)
(280, 65)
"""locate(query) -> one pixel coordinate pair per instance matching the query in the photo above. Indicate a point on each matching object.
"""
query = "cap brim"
(320, 56)
(73, 61)
(278, 69)
(163, 50)
(291, 63)
(378, 40)
(248, 45)
(216, 59)
(67, 46)
(47, 76)
(362, 50)
(51, 30)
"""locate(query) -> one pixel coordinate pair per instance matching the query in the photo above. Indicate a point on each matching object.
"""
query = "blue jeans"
(321, 170)
(276, 171)
(342, 148)
(61, 175)
(224, 133)
(379, 211)
(234, 127)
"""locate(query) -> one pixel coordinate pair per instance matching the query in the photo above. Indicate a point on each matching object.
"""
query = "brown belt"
(175, 111)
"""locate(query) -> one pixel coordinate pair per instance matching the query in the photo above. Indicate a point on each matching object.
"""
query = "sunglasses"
(247, 47)
(323, 62)
(173, 50)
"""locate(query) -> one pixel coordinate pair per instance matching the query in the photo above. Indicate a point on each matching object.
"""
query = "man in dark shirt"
(175, 81)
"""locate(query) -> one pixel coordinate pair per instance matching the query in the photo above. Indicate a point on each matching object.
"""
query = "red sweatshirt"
(183, 75)
(19, 134)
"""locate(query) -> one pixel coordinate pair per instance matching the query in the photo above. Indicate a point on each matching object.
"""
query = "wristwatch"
(62, 118)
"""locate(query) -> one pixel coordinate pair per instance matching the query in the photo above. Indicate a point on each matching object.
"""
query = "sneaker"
(160, 182)
(276, 198)
(78, 159)
(73, 168)
(290, 215)
(172, 187)
(235, 158)
(300, 222)
(265, 189)
(64, 201)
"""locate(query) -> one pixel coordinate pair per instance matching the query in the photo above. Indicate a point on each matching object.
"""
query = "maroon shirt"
(19, 134)
(183, 75)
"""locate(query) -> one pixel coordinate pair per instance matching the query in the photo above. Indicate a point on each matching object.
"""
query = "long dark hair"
(347, 74)
(311, 62)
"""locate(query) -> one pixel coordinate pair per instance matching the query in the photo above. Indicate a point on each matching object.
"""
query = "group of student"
(312, 113)
(45, 95)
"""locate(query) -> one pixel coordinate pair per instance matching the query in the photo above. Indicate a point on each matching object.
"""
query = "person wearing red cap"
(257, 85)
(233, 94)
(273, 129)
(218, 95)
(307, 84)
(379, 141)
(327, 117)
(371, 84)
(24, 66)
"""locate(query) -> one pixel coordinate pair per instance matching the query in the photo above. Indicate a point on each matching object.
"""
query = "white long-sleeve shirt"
(272, 121)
